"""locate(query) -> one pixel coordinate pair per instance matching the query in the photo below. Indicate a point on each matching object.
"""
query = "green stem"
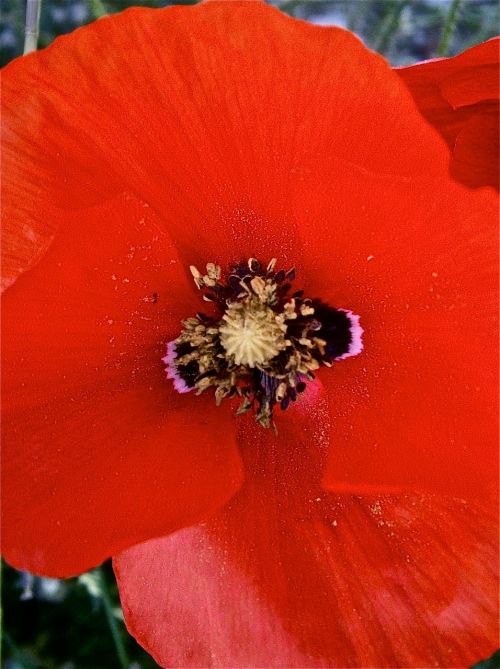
(389, 26)
(97, 8)
(110, 617)
(449, 25)
(32, 25)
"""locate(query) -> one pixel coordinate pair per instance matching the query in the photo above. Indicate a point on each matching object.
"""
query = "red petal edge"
(286, 575)
(99, 451)
(460, 97)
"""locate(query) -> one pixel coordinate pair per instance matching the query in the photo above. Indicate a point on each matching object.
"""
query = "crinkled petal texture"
(460, 97)
(250, 134)
(99, 451)
(287, 575)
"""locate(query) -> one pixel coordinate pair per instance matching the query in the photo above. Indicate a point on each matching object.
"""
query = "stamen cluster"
(263, 343)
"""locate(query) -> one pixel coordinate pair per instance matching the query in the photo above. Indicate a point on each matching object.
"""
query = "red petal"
(459, 96)
(212, 114)
(476, 149)
(287, 575)
(99, 451)
(216, 160)
(417, 409)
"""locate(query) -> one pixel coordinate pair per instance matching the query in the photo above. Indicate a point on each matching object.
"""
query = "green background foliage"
(405, 31)
(77, 623)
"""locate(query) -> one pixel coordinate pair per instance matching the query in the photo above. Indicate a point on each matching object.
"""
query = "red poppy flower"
(459, 96)
(363, 532)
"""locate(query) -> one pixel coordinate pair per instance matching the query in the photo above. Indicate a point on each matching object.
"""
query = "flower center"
(263, 343)
(252, 334)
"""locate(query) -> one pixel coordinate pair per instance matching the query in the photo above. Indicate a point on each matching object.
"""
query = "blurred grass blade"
(390, 25)
(32, 25)
(97, 8)
(449, 25)
(97, 586)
